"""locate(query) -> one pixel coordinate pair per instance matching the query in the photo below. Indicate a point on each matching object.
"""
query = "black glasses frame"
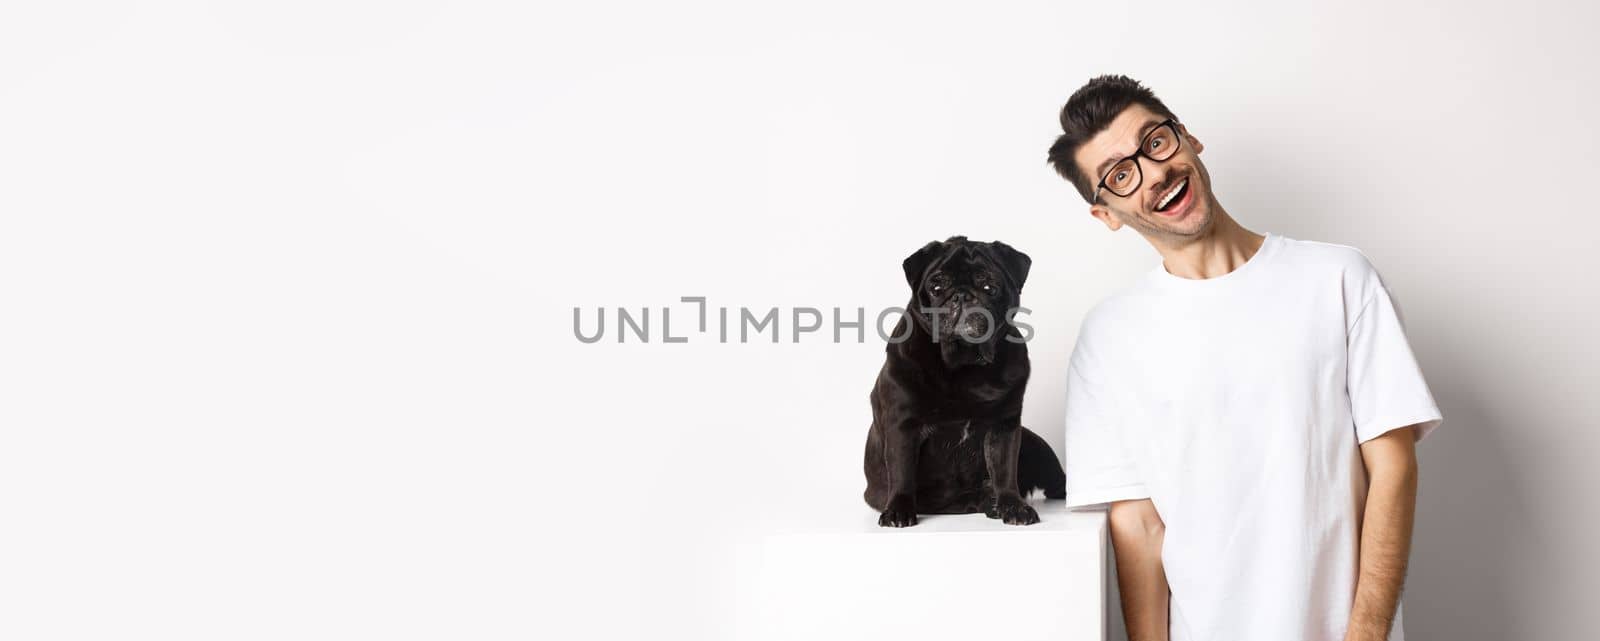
(1170, 123)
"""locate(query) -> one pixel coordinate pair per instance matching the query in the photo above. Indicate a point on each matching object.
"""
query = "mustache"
(1157, 191)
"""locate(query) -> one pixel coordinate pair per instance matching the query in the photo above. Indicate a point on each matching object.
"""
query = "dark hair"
(1088, 112)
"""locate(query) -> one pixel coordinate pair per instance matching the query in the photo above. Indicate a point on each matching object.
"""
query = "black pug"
(946, 435)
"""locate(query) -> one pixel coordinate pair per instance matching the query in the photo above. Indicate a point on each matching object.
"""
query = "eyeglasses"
(1125, 176)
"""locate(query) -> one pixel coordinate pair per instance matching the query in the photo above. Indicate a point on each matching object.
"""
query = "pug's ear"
(917, 263)
(1014, 263)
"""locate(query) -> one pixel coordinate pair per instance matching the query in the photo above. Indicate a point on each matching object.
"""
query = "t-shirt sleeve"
(1097, 465)
(1385, 382)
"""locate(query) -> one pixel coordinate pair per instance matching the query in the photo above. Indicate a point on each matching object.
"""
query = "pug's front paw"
(1012, 510)
(901, 513)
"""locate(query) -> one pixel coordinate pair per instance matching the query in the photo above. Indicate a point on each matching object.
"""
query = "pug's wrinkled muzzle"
(973, 325)
(968, 336)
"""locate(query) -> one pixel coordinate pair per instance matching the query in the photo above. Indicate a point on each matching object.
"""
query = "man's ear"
(917, 263)
(1014, 263)
(1105, 215)
(1191, 140)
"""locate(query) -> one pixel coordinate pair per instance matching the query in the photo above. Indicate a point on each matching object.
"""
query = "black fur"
(946, 413)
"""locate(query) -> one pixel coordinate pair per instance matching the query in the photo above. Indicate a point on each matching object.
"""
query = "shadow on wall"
(1464, 542)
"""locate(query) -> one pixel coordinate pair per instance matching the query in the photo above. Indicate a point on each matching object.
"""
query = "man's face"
(1187, 216)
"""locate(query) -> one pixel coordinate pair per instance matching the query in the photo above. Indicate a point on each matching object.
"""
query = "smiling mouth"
(1173, 196)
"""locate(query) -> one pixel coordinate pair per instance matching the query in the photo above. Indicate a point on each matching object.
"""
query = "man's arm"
(1136, 533)
(1391, 462)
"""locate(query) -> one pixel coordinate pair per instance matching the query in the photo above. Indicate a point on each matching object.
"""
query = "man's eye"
(1120, 176)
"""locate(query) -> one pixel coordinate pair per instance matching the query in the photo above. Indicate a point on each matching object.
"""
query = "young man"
(1248, 408)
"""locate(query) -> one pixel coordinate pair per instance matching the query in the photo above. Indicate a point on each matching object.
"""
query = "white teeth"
(1175, 189)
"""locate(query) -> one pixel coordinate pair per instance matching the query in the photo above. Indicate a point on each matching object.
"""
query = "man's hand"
(1391, 463)
(1136, 534)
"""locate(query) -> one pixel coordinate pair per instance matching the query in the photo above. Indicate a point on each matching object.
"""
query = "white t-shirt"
(1237, 405)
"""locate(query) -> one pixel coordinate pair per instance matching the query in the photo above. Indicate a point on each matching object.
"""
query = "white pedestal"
(951, 577)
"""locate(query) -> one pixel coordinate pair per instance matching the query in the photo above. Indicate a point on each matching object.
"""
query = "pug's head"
(962, 293)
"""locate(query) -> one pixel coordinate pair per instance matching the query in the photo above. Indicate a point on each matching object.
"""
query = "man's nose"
(1155, 180)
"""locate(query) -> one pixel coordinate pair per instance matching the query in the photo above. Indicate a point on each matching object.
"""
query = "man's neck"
(1222, 249)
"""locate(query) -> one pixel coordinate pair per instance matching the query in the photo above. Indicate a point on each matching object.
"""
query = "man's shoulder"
(1314, 254)
(1332, 264)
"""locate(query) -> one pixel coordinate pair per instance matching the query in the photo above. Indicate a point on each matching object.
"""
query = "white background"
(286, 288)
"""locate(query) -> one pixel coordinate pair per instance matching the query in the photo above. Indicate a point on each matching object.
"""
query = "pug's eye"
(988, 289)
